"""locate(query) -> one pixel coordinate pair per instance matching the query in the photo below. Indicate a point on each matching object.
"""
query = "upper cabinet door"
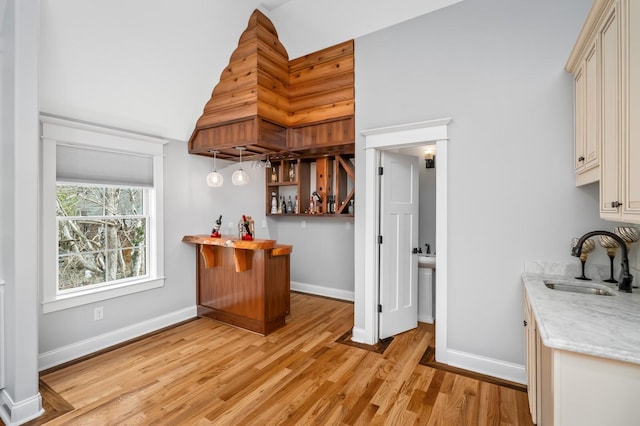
(610, 117)
(587, 138)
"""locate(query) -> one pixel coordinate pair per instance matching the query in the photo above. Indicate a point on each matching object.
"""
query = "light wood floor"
(204, 372)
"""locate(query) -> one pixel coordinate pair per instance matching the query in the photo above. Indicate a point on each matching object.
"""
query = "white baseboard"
(425, 318)
(85, 347)
(358, 335)
(17, 413)
(489, 366)
(322, 291)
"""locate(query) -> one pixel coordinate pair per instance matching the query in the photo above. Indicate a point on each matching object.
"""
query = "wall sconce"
(240, 177)
(214, 178)
(429, 159)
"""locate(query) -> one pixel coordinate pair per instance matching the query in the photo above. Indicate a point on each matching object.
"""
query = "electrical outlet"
(348, 225)
(98, 313)
(303, 224)
(264, 223)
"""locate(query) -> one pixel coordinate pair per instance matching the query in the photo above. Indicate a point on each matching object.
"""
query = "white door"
(399, 233)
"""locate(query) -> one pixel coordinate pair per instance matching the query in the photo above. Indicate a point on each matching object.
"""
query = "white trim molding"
(64, 131)
(88, 346)
(19, 412)
(488, 366)
(420, 133)
(318, 290)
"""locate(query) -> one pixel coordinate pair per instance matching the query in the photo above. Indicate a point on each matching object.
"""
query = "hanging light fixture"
(214, 178)
(240, 177)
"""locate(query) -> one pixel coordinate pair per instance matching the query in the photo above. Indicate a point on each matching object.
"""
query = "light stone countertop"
(604, 326)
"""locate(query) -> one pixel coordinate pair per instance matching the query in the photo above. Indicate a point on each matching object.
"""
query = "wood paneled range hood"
(272, 106)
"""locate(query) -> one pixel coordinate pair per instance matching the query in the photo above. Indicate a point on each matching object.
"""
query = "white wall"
(323, 254)
(427, 225)
(496, 68)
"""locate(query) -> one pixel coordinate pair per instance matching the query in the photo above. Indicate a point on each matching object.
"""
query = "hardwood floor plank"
(204, 372)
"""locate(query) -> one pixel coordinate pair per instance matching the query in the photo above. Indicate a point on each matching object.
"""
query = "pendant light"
(214, 178)
(240, 177)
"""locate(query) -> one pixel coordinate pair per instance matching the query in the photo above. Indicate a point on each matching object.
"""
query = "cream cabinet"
(611, 36)
(530, 342)
(586, 142)
(571, 388)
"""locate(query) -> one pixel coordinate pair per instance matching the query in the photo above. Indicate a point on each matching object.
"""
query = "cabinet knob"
(581, 158)
(616, 204)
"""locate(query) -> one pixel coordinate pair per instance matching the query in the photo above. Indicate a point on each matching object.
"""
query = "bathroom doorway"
(395, 138)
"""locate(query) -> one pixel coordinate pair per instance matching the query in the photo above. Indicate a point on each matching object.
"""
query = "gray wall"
(322, 252)
(496, 68)
(427, 225)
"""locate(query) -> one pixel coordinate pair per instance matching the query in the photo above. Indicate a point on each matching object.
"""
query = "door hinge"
(379, 308)
(525, 322)
(379, 239)
(380, 171)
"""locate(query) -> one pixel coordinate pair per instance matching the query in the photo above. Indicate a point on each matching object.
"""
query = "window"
(102, 235)
(102, 215)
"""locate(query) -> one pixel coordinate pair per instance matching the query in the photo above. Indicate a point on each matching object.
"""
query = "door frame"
(379, 139)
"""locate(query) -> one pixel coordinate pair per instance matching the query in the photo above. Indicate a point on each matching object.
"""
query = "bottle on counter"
(292, 171)
(289, 205)
(274, 203)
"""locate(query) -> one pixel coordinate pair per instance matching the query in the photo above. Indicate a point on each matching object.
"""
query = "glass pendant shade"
(240, 177)
(214, 178)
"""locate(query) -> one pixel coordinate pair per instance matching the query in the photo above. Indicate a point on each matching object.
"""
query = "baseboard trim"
(334, 293)
(426, 318)
(359, 335)
(85, 347)
(17, 413)
(488, 366)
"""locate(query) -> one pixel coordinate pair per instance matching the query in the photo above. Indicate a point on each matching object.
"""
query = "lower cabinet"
(570, 388)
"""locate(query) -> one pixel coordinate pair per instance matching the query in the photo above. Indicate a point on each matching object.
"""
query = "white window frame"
(61, 131)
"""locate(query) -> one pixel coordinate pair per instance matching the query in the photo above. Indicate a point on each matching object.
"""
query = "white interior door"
(398, 296)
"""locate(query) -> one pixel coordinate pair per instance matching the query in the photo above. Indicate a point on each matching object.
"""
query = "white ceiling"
(305, 26)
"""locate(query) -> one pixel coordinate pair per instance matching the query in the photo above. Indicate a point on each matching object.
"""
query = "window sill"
(96, 295)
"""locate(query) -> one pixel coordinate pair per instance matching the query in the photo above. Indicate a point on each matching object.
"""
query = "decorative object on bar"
(246, 228)
(240, 177)
(610, 245)
(429, 158)
(215, 233)
(214, 178)
(630, 234)
(587, 248)
(267, 164)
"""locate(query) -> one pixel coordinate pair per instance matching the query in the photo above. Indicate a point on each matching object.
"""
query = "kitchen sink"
(577, 288)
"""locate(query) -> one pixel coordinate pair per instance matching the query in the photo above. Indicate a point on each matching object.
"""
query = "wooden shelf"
(334, 177)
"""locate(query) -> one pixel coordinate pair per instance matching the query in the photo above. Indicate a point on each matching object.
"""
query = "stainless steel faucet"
(625, 276)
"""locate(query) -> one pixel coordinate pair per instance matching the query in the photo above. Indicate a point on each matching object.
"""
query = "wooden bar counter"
(243, 283)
